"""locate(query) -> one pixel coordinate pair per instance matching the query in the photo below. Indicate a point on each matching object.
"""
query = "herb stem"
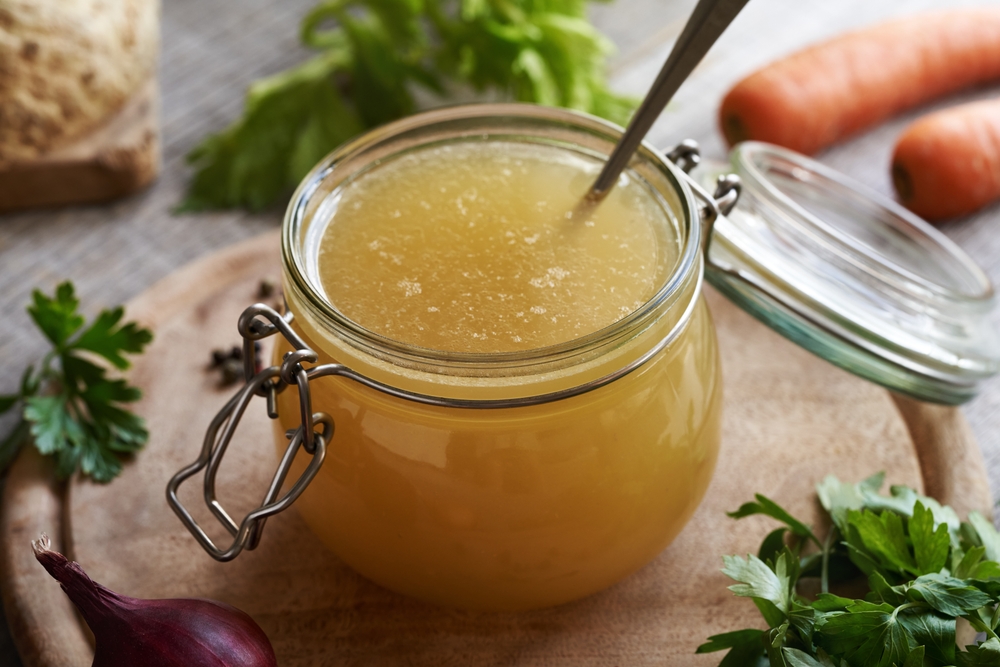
(979, 626)
(909, 605)
(46, 371)
(825, 571)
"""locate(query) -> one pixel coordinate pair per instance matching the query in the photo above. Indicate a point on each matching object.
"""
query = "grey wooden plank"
(212, 49)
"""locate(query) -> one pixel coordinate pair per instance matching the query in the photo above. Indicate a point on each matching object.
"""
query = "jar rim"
(853, 276)
(752, 158)
(298, 216)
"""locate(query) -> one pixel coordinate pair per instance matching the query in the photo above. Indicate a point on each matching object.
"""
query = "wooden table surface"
(213, 48)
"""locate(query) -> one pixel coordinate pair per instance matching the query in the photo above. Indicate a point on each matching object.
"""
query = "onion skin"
(158, 633)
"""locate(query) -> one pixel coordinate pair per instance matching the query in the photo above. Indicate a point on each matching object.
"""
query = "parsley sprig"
(924, 567)
(373, 55)
(70, 407)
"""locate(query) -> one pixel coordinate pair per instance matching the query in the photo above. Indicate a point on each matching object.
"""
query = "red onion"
(158, 633)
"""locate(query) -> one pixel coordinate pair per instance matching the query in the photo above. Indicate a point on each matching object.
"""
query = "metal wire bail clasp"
(256, 323)
(687, 156)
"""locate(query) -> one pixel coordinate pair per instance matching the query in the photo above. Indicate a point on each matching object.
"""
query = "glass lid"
(852, 276)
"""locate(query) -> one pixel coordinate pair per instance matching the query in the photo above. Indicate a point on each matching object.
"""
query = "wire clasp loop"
(256, 323)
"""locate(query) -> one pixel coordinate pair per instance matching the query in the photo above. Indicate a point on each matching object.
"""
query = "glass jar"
(524, 479)
(853, 276)
(538, 476)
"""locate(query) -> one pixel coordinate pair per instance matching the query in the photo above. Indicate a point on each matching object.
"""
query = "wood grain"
(212, 49)
(119, 158)
(950, 460)
(790, 419)
(43, 623)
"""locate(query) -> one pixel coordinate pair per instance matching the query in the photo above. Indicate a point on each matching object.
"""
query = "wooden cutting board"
(790, 419)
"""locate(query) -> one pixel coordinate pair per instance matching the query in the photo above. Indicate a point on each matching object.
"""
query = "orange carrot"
(947, 164)
(825, 93)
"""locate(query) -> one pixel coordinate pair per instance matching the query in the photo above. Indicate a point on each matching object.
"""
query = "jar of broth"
(492, 393)
(570, 356)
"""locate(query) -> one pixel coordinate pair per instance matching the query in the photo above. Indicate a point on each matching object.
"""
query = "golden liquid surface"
(484, 247)
(512, 508)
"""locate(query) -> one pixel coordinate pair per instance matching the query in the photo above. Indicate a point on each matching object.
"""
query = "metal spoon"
(708, 20)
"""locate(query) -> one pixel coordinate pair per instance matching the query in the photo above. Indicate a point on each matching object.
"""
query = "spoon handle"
(708, 20)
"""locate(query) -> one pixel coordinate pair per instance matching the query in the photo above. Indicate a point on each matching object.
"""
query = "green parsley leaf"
(903, 538)
(948, 595)
(757, 580)
(776, 638)
(730, 639)
(930, 543)
(988, 536)
(7, 402)
(916, 658)
(803, 619)
(883, 592)
(99, 395)
(973, 565)
(838, 498)
(370, 62)
(858, 552)
(867, 634)
(29, 382)
(773, 616)
(773, 545)
(746, 648)
(768, 507)
(96, 459)
(936, 633)
(80, 373)
(991, 586)
(745, 655)
(109, 340)
(970, 560)
(73, 411)
(52, 426)
(884, 538)
(831, 602)
(289, 119)
(986, 654)
(796, 658)
(57, 316)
